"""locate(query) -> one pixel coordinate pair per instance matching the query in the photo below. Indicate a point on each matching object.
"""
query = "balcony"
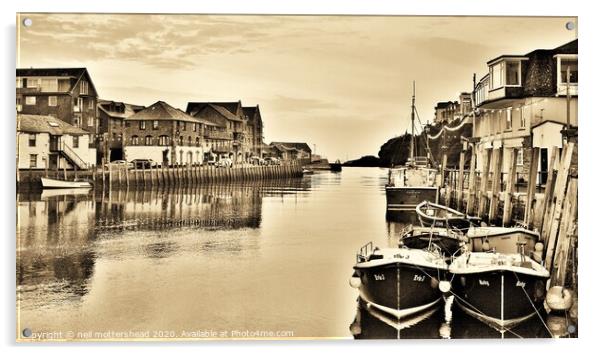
(218, 135)
(239, 136)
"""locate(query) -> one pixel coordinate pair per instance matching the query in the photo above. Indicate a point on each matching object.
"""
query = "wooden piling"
(551, 228)
(110, 176)
(484, 183)
(510, 188)
(495, 184)
(567, 231)
(460, 179)
(472, 182)
(531, 187)
(540, 214)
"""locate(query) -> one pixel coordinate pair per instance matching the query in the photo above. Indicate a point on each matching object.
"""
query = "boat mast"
(412, 144)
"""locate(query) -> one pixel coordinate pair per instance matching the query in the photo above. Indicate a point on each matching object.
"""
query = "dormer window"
(505, 71)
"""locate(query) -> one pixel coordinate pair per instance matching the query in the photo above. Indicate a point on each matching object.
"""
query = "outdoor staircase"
(72, 157)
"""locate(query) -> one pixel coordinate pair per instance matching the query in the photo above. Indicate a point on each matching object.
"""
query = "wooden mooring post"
(510, 188)
(567, 231)
(484, 183)
(460, 179)
(551, 227)
(539, 215)
(495, 182)
(531, 187)
(472, 182)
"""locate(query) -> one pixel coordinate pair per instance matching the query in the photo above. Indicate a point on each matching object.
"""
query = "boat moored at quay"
(414, 182)
(501, 290)
(399, 281)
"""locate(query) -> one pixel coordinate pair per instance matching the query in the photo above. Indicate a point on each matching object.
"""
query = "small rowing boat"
(48, 183)
(434, 215)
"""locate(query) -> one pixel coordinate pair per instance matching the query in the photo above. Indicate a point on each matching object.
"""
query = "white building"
(45, 142)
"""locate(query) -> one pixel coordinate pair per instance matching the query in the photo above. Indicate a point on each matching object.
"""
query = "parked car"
(272, 161)
(119, 164)
(224, 163)
(257, 161)
(145, 163)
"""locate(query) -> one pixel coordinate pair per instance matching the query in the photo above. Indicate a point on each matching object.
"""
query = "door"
(543, 164)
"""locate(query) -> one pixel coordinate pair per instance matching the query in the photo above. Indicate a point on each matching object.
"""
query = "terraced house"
(64, 93)
(164, 134)
(526, 101)
(111, 118)
(237, 132)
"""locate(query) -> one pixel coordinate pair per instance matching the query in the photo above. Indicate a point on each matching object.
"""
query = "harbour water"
(248, 259)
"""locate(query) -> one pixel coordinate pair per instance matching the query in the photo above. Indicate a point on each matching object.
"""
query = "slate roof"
(161, 111)
(46, 124)
(296, 145)
(129, 109)
(194, 107)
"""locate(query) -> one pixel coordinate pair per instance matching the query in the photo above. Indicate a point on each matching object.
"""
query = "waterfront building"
(449, 111)
(111, 118)
(164, 134)
(522, 103)
(291, 150)
(48, 143)
(254, 129)
(64, 93)
(238, 130)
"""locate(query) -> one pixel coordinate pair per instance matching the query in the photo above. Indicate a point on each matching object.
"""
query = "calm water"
(225, 260)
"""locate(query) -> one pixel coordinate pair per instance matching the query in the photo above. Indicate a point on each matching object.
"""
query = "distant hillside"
(396, 150)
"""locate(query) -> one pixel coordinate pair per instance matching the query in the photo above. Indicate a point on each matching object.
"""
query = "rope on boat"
(533, 305)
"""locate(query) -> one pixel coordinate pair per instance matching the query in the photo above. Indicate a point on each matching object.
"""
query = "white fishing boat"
(501, 239)
(48, 183)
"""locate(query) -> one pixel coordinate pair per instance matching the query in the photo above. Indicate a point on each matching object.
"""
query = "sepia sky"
(342, 83)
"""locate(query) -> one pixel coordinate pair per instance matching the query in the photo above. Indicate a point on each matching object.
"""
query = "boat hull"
(407, 198)
(399, 289)
(63, 184)
(500, 298)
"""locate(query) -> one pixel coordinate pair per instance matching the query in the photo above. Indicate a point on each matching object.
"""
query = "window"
(520, 157)
(181, 140)
(565, 65)
(155, 124)
(83, 87)
(134, 140)
(19, 83)
(189, 140)
(198, 142)
(512, 73)
(523, 118)
(90, 104)
(32, 140)
(163, 140)
(19, 105)
(91, 121)
(77, 120)
(142, 125)
(495, 72)
(30, 83)
(51, 85)
(30, 100)
(148, 140)
(183, 126)
(33, 160)
(78, 103)
(509, 118)
(194, 127)
(52, 100)
(75, 141)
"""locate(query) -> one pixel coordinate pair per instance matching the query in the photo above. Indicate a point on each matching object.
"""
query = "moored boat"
(449, 242)
(501, 239)
(48, 183)
(434, 215)
(501, 290)
(413, 182)
(398, 281)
